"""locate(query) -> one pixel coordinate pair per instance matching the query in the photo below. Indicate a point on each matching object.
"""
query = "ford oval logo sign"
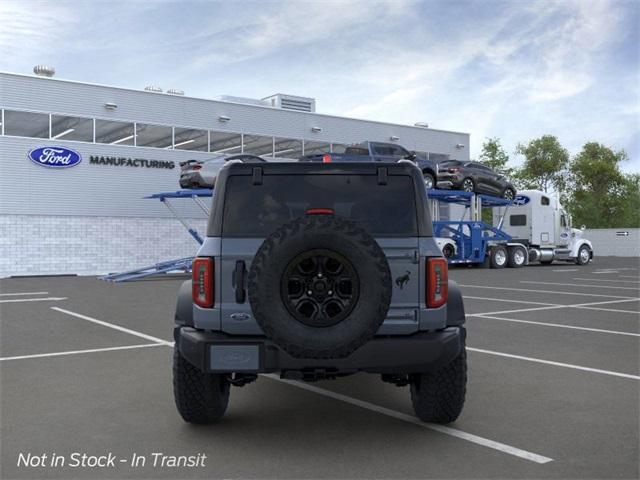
(521, 200)
(55, 157)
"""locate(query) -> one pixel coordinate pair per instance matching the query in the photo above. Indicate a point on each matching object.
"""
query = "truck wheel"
(305, 289)
(200, 397)
(438, 397)
(429, 181)
(584, 255)
(448, 251)
(498, 257)
(517, 257)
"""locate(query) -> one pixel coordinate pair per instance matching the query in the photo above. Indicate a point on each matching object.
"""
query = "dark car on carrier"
(316, 271)
(475, 177)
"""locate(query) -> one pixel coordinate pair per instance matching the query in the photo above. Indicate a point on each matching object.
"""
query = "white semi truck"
(538, 221)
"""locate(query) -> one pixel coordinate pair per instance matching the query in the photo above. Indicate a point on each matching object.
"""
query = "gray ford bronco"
(317, 271)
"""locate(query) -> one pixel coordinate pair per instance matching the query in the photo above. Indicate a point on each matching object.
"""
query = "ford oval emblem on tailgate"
(55, 157)
(240, 316)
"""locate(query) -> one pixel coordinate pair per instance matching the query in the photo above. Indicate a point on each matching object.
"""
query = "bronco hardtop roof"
(316, 168)
(286, 169)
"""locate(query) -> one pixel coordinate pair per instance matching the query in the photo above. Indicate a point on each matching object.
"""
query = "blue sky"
(514, 69)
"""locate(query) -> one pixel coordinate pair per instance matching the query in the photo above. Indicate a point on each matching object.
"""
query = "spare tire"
(320, 287)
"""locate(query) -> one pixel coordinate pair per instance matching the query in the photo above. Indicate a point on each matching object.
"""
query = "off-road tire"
(438, 397)
(200, 397)
(495, 256)
(305, 234)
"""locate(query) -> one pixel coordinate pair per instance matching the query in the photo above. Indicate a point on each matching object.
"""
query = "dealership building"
(91, 217)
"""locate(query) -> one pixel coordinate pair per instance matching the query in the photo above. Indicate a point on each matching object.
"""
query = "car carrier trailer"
(532, 228)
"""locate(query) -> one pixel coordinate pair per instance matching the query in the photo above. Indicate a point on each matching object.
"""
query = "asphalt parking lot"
(554, 383)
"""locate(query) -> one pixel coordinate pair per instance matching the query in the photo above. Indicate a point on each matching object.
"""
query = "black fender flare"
(184, 306)
(455, 306)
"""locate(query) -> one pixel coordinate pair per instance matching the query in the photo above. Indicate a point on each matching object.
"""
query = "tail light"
(319, 211)
(196, 167)
(202, 283)
(437, 282)
(453, 170)
(326, 158)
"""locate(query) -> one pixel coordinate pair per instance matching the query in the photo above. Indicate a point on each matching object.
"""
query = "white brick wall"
(44, 245)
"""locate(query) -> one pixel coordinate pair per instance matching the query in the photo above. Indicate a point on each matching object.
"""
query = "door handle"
(238, 281)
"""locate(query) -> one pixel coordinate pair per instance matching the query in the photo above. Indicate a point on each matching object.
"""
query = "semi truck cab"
(538, 221)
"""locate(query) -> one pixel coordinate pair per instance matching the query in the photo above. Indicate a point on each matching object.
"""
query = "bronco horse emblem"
(402, 280)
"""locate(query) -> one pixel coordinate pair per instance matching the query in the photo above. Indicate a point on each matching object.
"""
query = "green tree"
(494, 156)
(545, 164)
(600, 195)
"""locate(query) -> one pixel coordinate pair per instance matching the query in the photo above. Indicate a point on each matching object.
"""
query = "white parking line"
(557, 364)
(530, 290)
(628, 276)
(604, 280)
(567, 270)
(581, 285)
(115, 327)
(75, 352)
(485, 442)
(558, 325)
(551, 306)
(466, 297)
(23, 293)
(47, 299)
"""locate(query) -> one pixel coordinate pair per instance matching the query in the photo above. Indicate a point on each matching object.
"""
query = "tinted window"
(157, 136)
(257, 210)
(26, 124)
(71, 128)
(518, 220)
(113, 132)
(544, 200)
(357, 151)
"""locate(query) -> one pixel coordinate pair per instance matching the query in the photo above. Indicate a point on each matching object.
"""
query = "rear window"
(257, 210)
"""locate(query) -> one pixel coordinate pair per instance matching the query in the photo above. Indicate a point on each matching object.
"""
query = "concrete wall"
(608, 242)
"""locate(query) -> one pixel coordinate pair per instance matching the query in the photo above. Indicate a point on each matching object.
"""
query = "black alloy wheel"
(320, 288)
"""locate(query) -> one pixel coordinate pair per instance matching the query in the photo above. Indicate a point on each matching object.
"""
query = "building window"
(157, 136)
(287, 148)
(190, 139)
(316, 148)
(71, 128)
(258, 145)
(26, 124)
(224, 142)
(114, 133)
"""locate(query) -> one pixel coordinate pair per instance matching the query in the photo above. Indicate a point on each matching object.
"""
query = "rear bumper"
(219, 353)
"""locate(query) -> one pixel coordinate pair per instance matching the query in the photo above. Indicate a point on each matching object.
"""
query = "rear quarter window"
(257, 210)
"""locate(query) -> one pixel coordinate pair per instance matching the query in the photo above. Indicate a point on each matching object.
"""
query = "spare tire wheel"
(320, 287)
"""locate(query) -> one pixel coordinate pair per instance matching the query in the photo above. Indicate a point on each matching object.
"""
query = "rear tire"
(517, 257)
(498, 257)
(468, 185)
(200, 397)
(438, 397)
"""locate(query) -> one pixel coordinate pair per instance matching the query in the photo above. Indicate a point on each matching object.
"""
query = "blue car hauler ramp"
(178, 264)
(473, 237)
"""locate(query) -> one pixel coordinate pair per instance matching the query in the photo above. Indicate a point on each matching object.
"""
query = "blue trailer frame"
(178, 264)
(474, 237)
